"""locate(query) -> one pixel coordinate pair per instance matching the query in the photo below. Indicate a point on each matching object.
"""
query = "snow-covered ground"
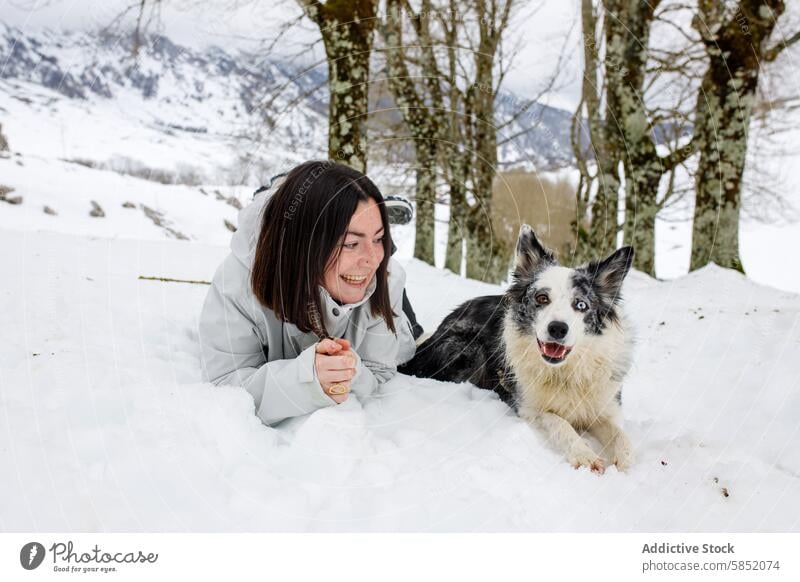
(197, 213)
(106, 425)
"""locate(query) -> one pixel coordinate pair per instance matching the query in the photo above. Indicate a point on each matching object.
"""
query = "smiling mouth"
(554, 352)
(355, 280)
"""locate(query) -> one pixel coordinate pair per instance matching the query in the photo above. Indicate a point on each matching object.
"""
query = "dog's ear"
(530, 253)
(607, 275)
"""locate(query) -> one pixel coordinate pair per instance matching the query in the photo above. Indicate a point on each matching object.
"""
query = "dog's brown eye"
(542, 299)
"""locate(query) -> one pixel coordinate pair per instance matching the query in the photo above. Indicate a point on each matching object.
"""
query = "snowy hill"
(177, 99)
(181, 137)
(196, 117)
(171, 144)
(109, 427)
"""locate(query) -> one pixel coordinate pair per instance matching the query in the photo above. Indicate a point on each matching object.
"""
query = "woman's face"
(348, 277)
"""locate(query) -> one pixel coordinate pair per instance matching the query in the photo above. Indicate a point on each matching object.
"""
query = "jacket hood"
(243, 242)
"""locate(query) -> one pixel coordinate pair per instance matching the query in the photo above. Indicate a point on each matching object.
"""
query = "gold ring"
(338, 389)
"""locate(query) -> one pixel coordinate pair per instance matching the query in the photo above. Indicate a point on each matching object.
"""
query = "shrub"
(547, 203)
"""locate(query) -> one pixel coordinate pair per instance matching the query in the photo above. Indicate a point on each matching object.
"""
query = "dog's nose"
(557, 330)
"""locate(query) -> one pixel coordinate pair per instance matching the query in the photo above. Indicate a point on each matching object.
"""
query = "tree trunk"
(422, 121)
(458, 205)
(735, 50)
(457, 157)
(595, 233)
(641, 208)
(426, 200)
(627, 28)
(487, 257)
(347, 28)
(3, 141)
(715, 230)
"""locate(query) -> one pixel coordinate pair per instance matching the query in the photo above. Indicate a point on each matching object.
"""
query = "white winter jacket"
(245, 344)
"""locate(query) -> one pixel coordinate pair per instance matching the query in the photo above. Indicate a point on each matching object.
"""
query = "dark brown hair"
(302, 229)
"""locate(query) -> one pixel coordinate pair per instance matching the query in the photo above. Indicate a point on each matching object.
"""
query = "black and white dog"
(555, 347)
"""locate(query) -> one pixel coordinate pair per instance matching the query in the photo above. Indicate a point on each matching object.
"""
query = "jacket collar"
(334, 315)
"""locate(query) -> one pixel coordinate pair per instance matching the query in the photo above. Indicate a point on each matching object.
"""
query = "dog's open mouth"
(553, 352)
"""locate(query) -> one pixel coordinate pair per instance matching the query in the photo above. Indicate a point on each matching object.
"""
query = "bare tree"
(445, 82)
(736, 40)
(457, 156)
(595, 227)
(486, 256)
(626, 134)
(421, 103)
(764, 196)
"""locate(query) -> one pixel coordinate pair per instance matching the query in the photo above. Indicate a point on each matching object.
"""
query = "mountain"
(223, 115)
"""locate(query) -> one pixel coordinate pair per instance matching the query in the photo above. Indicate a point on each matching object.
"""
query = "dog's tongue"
(554, 350)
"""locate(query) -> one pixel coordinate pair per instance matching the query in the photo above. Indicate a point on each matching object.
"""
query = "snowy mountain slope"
(262, 108)
(206, 117)
(171, 110)
(106, 425)
(78, 112)
(132, 206)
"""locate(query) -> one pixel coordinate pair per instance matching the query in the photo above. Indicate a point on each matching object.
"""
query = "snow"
(55, 126)
(68, 188)
(107, 425)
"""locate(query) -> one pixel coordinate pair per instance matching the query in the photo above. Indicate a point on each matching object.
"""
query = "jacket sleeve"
(232, 353)
(382, 350)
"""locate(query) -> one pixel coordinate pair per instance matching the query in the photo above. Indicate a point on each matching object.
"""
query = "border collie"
(555, 347)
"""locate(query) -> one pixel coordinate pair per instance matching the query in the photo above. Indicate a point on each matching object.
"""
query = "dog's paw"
(586, 457)
(623, 453)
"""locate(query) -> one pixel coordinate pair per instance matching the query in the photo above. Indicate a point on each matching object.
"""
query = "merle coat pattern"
(555, 347)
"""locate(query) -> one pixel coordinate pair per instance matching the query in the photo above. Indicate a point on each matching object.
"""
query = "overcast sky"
(541, 27)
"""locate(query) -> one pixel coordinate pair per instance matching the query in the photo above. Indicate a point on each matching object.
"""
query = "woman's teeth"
(354, 280)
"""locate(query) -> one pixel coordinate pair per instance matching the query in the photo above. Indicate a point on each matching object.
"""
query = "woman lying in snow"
(308, 306)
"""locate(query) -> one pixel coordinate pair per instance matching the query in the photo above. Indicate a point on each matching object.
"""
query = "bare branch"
(311, 8)
(772, 53)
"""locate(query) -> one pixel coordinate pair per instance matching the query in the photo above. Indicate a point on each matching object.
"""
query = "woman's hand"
(335, 364)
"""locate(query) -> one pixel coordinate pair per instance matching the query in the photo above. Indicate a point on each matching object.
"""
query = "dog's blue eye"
(581, 305)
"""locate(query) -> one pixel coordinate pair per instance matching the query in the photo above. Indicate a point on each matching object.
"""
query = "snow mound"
(107, 425)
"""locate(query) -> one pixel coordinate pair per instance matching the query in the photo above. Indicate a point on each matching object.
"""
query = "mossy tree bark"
(457, 154)
(487, 257)
(421, 106)
(347, 32)
(457, 170)
(595, 227)
(735, 42)
(627, 34)
(622, 136)
(468, 129)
